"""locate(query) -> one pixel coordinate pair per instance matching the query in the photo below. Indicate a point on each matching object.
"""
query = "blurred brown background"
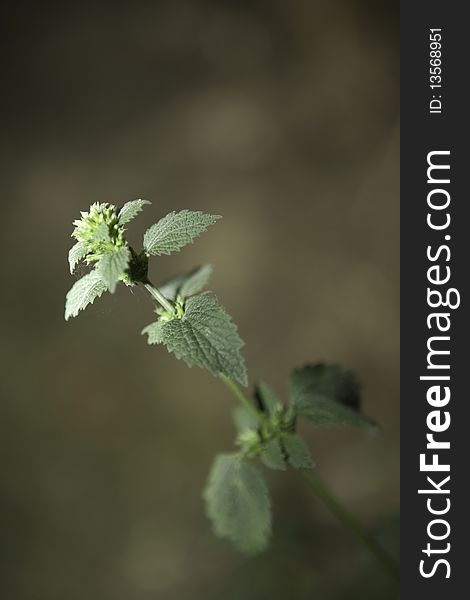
(281, 116)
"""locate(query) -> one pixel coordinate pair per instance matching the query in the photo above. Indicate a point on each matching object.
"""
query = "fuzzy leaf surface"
(327, 395)
(272, 455)
(237, 503)
(130, 210)
(243, 419)
(187, 285)
(298, 453)
(176, 230)
(154, 332)
(76, 253)
(206, 337)
(267, 399)
(83, 292)
(113, 265)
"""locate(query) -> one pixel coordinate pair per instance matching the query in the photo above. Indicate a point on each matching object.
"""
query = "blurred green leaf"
(267, 398)
(243, 419)
(298, 453)
(327, 395)
(237, 503)
(187, 285)
(196, 281)
(272, 455)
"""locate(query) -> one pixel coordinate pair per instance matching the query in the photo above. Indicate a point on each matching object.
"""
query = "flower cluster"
(99, 231)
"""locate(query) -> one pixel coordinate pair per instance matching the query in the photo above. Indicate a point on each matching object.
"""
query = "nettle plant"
(197, 329)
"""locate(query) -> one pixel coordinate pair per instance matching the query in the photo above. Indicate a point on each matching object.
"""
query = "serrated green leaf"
(176, 230)
(206, 337)
(237, 503)
(76, 253)
(298, 454)
(154, 332)
(272, 455)
(130, 210)
(327, 395)
(83, 292)
(187, 285)
(267, 398)
(243, 420)
(113, 265)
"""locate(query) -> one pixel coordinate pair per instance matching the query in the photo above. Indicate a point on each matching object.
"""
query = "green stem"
(158, 296)
(354, 526)
(315, 483)
(236, 391)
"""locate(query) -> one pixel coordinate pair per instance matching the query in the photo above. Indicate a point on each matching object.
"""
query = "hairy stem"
(387, 562)
(315, 483)
(236, 391)
(158, 296)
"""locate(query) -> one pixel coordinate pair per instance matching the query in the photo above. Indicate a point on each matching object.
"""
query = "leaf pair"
(236, 494)
(291, 448)
(283, 445)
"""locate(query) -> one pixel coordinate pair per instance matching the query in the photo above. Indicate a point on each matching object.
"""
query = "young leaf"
(196, 281)
(272, 455)
(176, 230)
(237, 503)
(266, 398)
(130, 210)
(154, 332)
(327, 395)
(243, 420)
(76, 253)
(113, 265)
(298, 454)
(83, 292)
(187, 285)
(205, 336)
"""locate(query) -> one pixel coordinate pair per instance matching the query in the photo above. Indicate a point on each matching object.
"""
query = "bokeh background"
(282, 117)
